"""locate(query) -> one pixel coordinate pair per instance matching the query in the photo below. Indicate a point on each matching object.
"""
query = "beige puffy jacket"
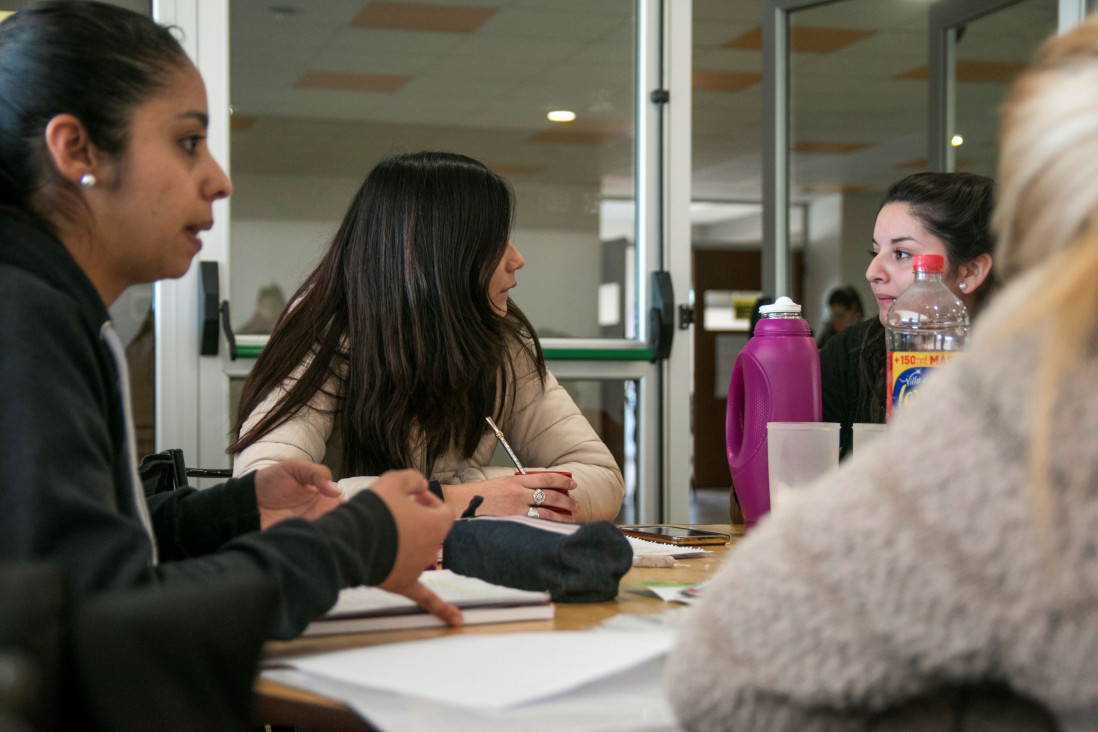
(544, 426)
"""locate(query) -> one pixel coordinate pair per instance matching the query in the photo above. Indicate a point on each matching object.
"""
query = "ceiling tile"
(514, 168)
(726, 81)
(419, 16)
(820, 147)
(974, 71)
(556, 23)
(820, 189)
(591, 133)
(350, 82)
(805, 40)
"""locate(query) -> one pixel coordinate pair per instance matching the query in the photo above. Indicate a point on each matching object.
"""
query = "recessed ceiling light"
(957, 141)
(561, 115)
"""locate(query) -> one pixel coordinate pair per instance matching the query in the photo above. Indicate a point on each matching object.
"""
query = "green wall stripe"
(598, 354)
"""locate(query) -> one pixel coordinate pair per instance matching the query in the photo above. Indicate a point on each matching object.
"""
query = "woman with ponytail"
(948, 214)
(106, 182)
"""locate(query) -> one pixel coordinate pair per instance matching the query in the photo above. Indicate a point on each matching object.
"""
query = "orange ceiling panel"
(725, 81)
(974, 71)
(804, 40)
(816, 147)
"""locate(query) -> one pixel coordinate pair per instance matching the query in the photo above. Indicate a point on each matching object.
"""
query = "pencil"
(506, 446)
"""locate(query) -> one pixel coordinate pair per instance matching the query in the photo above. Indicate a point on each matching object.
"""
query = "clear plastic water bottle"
(926, 326)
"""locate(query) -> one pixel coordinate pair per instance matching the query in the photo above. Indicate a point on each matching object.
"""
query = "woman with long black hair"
(404, 340)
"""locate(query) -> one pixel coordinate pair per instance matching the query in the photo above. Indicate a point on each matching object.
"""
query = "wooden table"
(283, 705)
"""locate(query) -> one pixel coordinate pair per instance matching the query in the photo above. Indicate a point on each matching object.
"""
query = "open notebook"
(364, 609)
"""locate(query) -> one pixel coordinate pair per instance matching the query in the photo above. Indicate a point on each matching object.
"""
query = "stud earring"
(963, 287)
(87, 180)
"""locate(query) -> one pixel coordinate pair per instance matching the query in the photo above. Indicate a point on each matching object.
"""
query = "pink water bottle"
(776, 378)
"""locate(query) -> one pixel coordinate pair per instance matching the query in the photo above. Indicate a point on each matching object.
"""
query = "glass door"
(319, 91)
(977, 48)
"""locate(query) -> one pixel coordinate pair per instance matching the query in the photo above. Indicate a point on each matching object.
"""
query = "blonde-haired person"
(958, 558)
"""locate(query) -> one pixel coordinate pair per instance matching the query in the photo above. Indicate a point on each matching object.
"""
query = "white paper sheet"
(489, 672)
(631, 701)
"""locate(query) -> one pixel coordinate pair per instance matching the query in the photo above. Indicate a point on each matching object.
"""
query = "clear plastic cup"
(865, 433)
(798, 453)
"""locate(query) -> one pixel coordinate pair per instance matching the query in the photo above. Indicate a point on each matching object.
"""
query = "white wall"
(823, 257)
(558, 287)
(272, 250)
(282, 224)
(859, 215)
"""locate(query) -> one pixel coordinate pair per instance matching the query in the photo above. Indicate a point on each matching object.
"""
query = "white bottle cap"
(781, 305)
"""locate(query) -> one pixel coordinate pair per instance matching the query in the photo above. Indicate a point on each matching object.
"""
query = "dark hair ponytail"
(956, 208)
(88, 59)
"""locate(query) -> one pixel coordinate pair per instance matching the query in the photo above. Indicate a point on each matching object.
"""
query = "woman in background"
(844, 309)
(947, 214)
(106, 182)
(959, 553)
(404, 339)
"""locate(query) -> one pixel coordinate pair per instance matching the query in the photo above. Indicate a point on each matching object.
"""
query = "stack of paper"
(595, 679)
(362, 609)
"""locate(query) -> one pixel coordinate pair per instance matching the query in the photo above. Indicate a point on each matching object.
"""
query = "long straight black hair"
(400, 303)
(956, 208)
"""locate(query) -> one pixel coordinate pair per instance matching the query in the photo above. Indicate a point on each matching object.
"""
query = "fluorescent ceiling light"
(561, 115)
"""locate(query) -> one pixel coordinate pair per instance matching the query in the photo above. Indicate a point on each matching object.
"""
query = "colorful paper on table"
(681, 592)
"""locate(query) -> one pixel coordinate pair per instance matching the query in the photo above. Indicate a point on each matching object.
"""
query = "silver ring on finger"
(539, 497)
(533, 513)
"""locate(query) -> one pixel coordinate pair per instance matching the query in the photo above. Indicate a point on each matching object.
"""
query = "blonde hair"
(1045, 221)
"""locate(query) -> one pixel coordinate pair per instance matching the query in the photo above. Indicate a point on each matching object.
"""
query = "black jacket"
(842, 382)
(65, 486)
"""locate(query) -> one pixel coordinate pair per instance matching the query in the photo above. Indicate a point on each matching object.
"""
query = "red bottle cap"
(932, 263)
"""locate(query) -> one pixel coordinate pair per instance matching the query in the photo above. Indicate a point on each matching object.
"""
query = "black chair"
(166, 471)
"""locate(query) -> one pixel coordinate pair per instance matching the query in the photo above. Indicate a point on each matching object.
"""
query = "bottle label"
(905, 372)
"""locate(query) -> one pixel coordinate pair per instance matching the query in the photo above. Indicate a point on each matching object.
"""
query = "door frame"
(191, 391)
